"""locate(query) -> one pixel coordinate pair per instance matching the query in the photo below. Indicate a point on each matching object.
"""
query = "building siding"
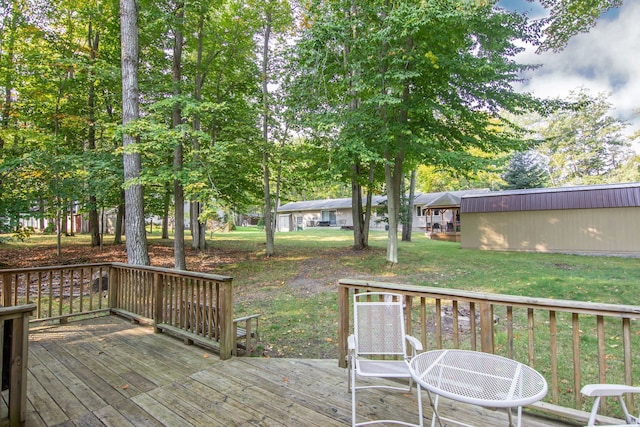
(578, 230)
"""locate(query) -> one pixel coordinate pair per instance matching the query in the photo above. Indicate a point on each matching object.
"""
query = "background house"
(323, 213)
(433, 213)
(602, 219)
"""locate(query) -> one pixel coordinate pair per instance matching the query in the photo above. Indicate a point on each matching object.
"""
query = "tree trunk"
(393, 179)
(117, 232)
(407, 225)
(64, 229)
(369, 203)
(59, 232)
(179, 259)
(268, 220)
(93, 42)
(72, 220)
(198, 229)
(359, 242)
(136, 237)
(9, 41)
(166, 204)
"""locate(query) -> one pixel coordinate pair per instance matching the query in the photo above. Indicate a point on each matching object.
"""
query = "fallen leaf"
(125, 387)
(206, 356)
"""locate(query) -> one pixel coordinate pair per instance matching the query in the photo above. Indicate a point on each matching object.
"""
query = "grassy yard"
(296, 290)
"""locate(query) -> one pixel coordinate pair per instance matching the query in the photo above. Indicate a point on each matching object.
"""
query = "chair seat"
(383, 368)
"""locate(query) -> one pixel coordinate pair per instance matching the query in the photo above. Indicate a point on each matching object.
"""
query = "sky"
(604, 60)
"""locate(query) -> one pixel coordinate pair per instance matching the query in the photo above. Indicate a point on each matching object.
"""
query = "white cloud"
(604, 60)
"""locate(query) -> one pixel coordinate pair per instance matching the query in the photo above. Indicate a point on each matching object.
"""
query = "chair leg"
(434, 407)
(419, 392)
(594, 412)
(627, 416)
(353, 396)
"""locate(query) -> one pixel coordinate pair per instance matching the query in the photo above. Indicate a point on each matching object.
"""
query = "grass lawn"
(296, 289)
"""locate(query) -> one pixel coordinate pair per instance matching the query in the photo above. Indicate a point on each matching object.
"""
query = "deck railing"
(14, 336)
(194, 306)
(571, 343)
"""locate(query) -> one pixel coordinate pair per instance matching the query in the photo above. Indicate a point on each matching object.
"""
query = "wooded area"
(232, 106)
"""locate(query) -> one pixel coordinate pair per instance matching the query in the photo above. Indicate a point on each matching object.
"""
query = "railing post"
(114, 285)
(343, 325)
(408, 321)
(18, 375)
(6, 290)
(158, 303)
(486, 327)
(227, 338)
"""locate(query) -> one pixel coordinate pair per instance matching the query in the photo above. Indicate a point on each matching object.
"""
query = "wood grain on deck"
(109, 372)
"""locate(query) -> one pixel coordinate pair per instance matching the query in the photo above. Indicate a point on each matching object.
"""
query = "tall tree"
(432, 79)
(178, 161)
(93, 41)
(584, 145)
(525, 170)
(275, 17)
(136, 238)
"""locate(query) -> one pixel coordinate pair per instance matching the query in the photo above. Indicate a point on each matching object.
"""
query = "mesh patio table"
(477, 378)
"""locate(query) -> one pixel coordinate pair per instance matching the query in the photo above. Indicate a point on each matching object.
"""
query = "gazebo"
(446, 225)
(441, 213)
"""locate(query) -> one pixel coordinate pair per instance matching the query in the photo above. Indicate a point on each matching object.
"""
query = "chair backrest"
(379, 324)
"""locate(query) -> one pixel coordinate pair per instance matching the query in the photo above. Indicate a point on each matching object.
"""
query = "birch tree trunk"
(135, 235)
(268, 220)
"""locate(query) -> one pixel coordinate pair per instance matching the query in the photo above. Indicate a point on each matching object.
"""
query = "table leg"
(434, 407)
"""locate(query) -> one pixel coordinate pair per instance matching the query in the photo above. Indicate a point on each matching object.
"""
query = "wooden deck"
(109, 372)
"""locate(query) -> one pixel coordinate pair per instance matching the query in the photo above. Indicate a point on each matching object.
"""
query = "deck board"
(109, 372)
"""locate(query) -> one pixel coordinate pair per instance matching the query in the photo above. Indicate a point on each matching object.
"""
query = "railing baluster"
(438, 323)
(628, 360)
(39, 304)
(472, 326)
(577, 383)
(423, 323)
(553, 355)
(510, 331)
(530, 328)
(72, 279)
(456, 332)
(602, 357)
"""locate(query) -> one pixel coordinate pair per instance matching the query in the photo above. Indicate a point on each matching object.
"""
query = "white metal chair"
(378, 348)
(605, 390)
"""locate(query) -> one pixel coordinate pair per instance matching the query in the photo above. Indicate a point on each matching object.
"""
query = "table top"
(478, 378)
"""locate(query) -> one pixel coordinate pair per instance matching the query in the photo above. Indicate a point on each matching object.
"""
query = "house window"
(419, 211)
(329, 217)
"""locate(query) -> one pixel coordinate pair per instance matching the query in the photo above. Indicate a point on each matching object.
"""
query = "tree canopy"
(246, 103)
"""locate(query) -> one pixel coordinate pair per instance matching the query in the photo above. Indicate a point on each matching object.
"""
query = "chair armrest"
(608, 389)
(415, 343)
